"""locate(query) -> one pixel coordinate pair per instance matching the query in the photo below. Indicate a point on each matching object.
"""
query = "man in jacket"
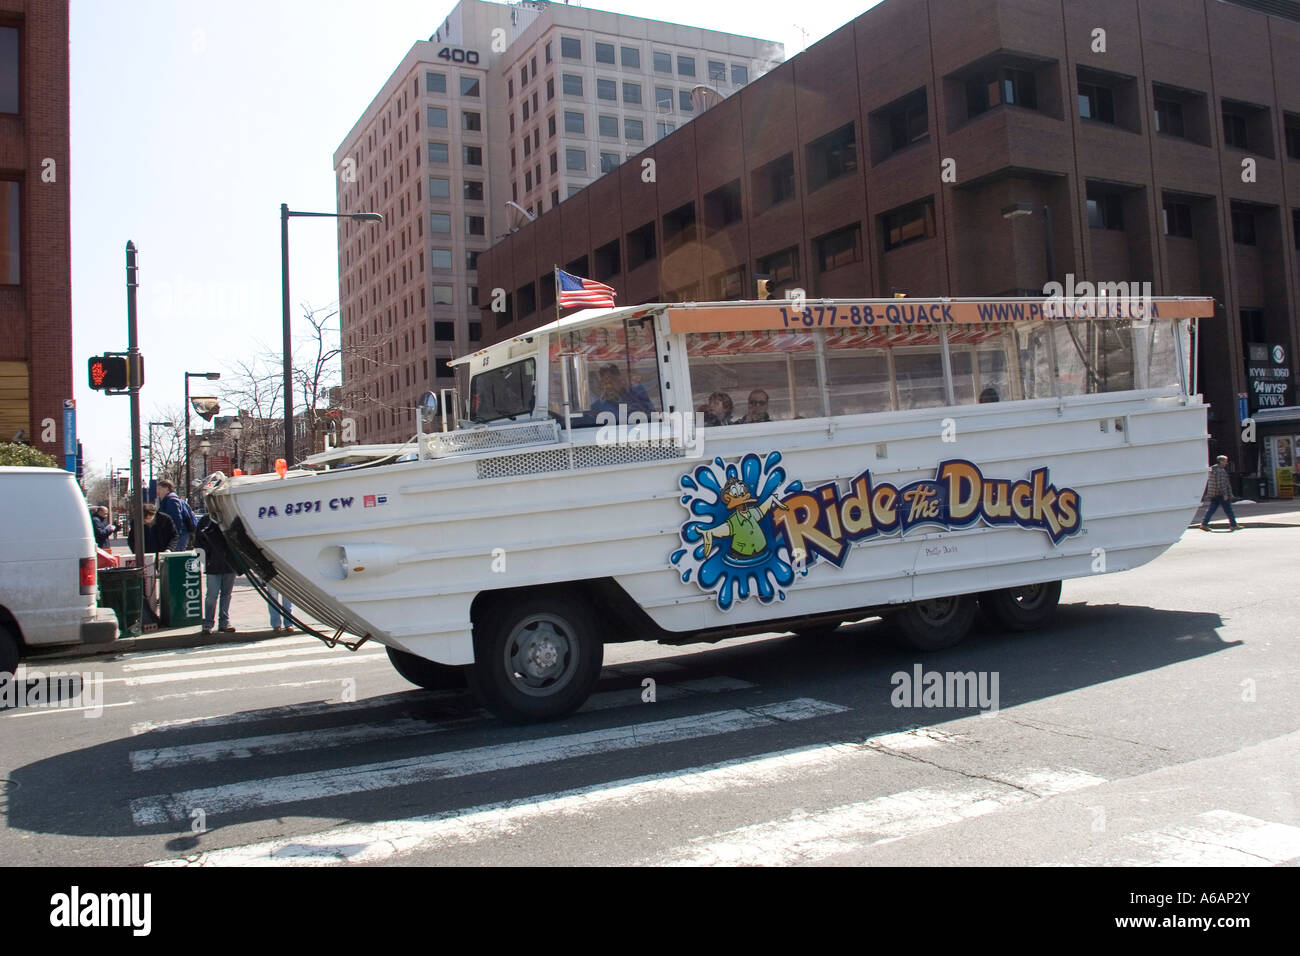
(1219, 488)
(159, 535)
(221, 576)
(176, 508)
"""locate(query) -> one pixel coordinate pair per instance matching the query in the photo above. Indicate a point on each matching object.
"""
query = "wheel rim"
(541, 655)
(1030, 597)
(938, 611)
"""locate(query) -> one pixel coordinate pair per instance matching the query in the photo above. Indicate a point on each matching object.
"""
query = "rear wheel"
(934, 624)
(426, 673)
(1023, 608)
(10, 653)
(537, 658)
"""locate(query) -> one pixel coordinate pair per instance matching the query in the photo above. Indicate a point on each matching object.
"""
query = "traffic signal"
(109, 373)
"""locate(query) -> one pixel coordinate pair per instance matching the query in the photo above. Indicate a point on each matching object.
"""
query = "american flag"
(574, 290)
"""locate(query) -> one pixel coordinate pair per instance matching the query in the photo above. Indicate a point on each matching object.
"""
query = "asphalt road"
(1156, 721)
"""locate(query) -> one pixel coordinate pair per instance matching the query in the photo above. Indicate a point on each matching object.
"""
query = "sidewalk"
(1286, 512)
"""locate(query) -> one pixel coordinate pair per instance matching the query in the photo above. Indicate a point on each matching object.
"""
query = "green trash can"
(180, 588)
(122, 589)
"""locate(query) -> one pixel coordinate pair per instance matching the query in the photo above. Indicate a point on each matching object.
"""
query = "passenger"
(614, 392)
(717, 411)
(757, 408)
(989, 394)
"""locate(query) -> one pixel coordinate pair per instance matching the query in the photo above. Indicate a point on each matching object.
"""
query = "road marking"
(284, 710)
(237, 658)
(243, 689)
(48, 709)
(164, 808)
(378, 842)
(146, 679)
(631, 696)
(1216, 838)
(223, 648)
(805, 837)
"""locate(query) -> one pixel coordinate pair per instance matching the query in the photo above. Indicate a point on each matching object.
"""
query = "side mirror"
(428, 407)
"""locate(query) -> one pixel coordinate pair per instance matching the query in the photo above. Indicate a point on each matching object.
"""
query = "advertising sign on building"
(1269, 376)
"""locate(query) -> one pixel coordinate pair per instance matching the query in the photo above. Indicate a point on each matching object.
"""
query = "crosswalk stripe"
(377, 842)
(1216, 838)
(609, 699)
(162, 808)
(223, 648)
(308, 709)
(808, 837)
(243, 688)
(146, 679)
(269, 653)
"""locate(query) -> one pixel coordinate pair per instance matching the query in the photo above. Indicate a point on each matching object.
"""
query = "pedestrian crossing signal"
(109, 373)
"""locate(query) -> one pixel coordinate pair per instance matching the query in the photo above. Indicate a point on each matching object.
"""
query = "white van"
(47, 566)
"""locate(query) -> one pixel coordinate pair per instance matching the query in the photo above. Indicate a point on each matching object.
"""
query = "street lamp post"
(212, 377)
(285, 214)
(205, 446)
(151, 428)
(236, 429)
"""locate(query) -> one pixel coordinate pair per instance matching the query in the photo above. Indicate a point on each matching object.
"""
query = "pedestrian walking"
(178, 510)
(159, 535)
(221, 577)
(1219, 488)
(280, 623)
(100, 526)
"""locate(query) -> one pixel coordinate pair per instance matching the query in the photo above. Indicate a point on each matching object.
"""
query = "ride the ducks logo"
(751, 530)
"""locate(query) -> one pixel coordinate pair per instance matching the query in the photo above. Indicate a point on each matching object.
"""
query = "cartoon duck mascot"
(742, 526)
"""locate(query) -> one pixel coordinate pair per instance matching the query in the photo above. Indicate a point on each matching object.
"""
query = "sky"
(192, 123)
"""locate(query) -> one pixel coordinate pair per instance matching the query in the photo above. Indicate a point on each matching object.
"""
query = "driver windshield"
(505, 392)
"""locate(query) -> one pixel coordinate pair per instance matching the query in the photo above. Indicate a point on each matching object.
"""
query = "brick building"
(35, 237)
(894, 155)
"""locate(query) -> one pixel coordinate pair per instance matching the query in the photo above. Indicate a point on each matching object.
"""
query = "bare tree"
(319, 369)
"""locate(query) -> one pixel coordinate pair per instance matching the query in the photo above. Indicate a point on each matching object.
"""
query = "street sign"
(70, 435)
(1243, 407)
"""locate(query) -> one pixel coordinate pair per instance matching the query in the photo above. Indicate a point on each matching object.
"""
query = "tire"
(537, 658)
(10, 653)
(935, 624)
(426, 673)
(1024, 608)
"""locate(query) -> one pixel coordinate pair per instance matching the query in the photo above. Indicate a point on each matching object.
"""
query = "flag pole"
(564, 365)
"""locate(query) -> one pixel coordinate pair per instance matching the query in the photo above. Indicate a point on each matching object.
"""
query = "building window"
(1169, 118)
(1105, 209)
(632, 93)
(439, 188)
(437, 116)
(475, 328)
(664, 99)
(472, 155)
(604, 52)
(780, 267)
(11, 241)
(1292, 123)
(472, 122)
(572, 84)
(528, 180)
(555, 162)
(679, 226)
(525, 110)
(1252, 325)
(574, 122)
(444, 331)
(662, 129)
(609, 126)
(510, 89)
(685, 65)
(832, 156)
(912, 223)
(469, 86)
(474, 225)
(839, 248)
(640, 245)
(438, 153)
(528, 147)
(739, 74)
(609, 162)
(1177, 218)
(606, 90)
(523, 77)
(774, 182)
(534, 102)
(575, 159)
(1235, 129)
(548, 53)
(471, 260)
(555, 197)
(473, 190)
(902, 123)
(633, 130)
(440, 259)
(717, 71)
(684, 101)
(550, 126)
(722, 207)
(435, 82)
(631, 57)
(1243, 226)
(1004, 86)
(442, 295)
(440, 222)
(663, 62)
(571, 48)
(1096, 103)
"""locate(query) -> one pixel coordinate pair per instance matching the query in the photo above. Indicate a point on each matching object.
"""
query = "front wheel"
(426, 673)
(536, 659)
(1024, 608)
(10, 653)
(934, 624)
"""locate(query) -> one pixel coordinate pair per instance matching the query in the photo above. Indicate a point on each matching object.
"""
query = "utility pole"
(134, 366)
